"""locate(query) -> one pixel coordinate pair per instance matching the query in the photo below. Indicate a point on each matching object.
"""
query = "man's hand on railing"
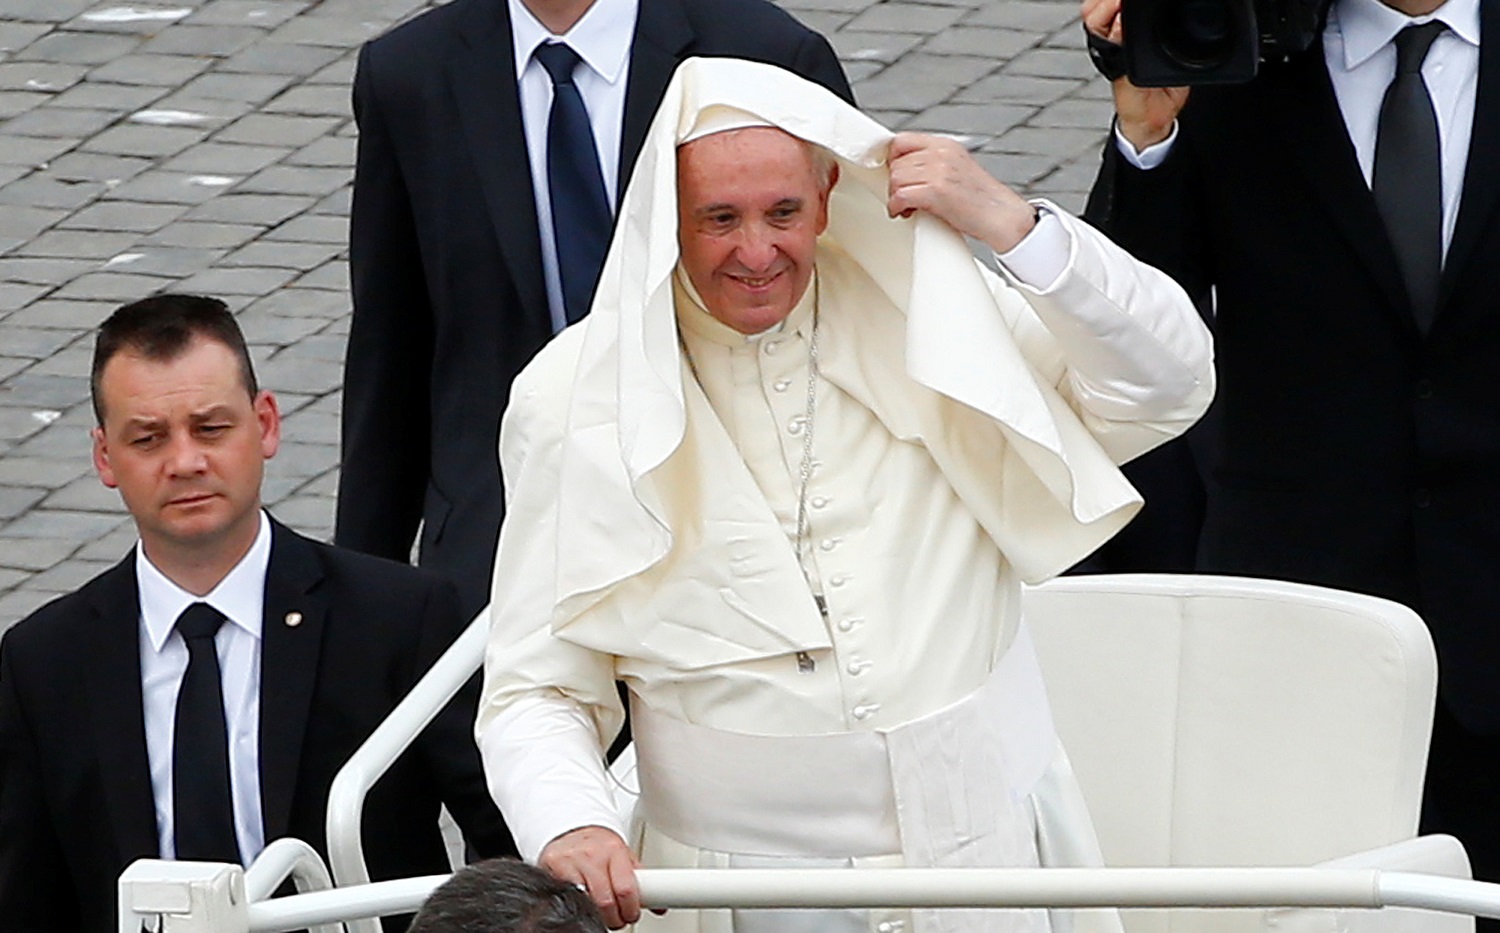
(600, 861)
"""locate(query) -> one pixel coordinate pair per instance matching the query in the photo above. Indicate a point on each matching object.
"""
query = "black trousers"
(1460, 796)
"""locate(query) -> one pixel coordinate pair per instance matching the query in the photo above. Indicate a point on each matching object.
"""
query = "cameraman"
(1321, 216)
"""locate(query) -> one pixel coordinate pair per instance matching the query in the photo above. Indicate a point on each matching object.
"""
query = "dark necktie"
(581, 217)
(1408, 183)
(203, 815)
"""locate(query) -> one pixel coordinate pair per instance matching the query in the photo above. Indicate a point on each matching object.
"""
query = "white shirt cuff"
(1150, 157)
(1042, 255)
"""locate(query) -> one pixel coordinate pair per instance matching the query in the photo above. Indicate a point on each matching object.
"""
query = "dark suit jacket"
(75, 790)
(446, 266)
(1353, 450)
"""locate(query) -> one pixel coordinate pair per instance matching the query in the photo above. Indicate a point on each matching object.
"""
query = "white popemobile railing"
(182, 897)
(158, 896)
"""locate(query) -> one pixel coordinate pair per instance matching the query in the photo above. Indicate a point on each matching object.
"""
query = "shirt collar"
(696, 320)
(1367, 26)
(601, 37)
(240, 596)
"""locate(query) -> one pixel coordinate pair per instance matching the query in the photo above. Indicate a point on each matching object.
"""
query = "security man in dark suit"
(196, 700)
(466, 256)
(1340, 217)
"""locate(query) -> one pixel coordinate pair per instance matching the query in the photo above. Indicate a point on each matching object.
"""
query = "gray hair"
(506, 896)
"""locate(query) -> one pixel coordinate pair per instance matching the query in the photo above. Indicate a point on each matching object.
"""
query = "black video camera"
(1187, 42)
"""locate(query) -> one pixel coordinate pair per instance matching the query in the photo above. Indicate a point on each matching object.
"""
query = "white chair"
(1219, 721)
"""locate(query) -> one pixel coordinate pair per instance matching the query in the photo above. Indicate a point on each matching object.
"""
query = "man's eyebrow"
(211, 413)
(717, 208)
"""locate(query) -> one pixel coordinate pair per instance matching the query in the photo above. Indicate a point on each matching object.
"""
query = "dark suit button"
(1424, 388)
(1421, 498)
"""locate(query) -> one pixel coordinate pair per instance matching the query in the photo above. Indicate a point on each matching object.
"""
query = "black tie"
(202, 812)
(1408, 183)
(580, 207)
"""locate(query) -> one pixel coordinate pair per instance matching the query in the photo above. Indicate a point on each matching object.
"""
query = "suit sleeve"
(386, 434)
(447, 744)
(35, 893)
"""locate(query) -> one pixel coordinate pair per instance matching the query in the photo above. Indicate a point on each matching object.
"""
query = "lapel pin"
(293, 619)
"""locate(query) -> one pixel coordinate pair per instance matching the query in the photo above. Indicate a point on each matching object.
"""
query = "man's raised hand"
(1145, 114)
(937, 175)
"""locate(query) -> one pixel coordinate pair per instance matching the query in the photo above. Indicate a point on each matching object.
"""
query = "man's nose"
(757, 248)
(185, 457)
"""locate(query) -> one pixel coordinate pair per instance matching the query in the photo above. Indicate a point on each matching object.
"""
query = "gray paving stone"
(10, 173)
(77, 48)
(41, 189)
(214, 158)
(14, 36)
(71, 316)
(299, 256)
(33, 554)
(288, 179)
(67, 577)
(207, 235)
(34, 342)
(60, 121)
(150, 70)
(167, 261)
(10, 366)
(117, 287)
(78, 244)
(84, 494)
(76, 358)
(385, 11)
(906, 17)
(277, 130)
(268, 330)
(310, 423)
(1057, 142)
(8, 580)
(96, 95)
(94, 166)
(45, 11)
(253, 88)
(1019, 88)
(280, 58)
(209, 41)
(21, 220)
(295, 375)
(17, 424)
(314, 100)
(336, 32)
(340, 72)
(73, 444)
(15, 103)
(327, 152)
(330, 275)
(298, 458)
(249, 281)
(14, 295)
(1081, 114)
(42, 271)
(48, 77)
(1031, 15)
(247, 12)
(15, 500)
(134, 139)
(919, 81)
(123, 216)
(336, 203)
(882, 47)
(313, 230)
(1052, 63)
(311, 515)
(212, 112)
(971, 120)
(19, 150)
(111, 547)
(303, 302)
(981, 40)
(184, 188)
(40, 474)
(265, 209)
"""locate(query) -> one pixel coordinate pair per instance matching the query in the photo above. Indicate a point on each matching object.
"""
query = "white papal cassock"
(966, 436)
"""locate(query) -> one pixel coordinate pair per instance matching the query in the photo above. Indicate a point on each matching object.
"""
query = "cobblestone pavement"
(207, 145)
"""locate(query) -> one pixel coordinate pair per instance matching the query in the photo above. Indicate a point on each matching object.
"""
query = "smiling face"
(185, 443)
(751, 204)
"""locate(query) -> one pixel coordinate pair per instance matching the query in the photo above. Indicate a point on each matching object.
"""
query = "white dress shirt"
(1361, 63)
(240, 596)
(602, 40)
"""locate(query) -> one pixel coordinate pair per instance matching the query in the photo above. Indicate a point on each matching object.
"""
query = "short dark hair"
(506, 896)
(161, 328)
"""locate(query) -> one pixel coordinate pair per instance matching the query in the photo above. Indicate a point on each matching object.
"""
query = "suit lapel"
(114, 680)
(1303, 103)
(291, 638)
(481, 76)
(1481, 181)
(662, 33)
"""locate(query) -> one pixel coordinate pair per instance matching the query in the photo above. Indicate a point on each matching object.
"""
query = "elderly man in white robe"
(786, 481)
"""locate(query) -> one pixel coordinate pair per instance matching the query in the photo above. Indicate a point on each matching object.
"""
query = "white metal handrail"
(957, 887)
(346, 797)
(288, 858)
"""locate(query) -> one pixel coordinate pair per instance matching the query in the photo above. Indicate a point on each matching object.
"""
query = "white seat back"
(1228, 721)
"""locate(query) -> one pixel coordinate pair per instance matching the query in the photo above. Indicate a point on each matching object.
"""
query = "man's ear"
(101, 459)
(833, 179)
(268, 416)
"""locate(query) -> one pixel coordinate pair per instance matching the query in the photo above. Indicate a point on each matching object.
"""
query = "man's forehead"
(742, 145)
